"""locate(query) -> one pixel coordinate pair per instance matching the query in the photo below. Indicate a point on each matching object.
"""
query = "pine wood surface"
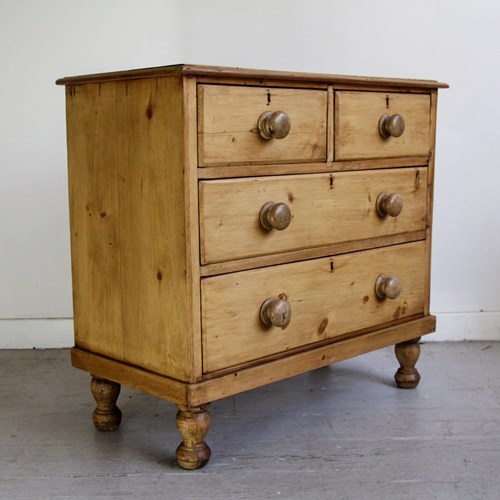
(329, 297)
(247, 378)
(94, 218)
(289, 366)
(331, 125)
(193, 423)
(106, 416)
(167, 176)
(357, 116)
(127, 196)
(407, 354)
(190, 164)
(229, 171)
(227, 125)
(152, 225)
(430, 196)
(326, 209)
(309, 253)
(132, 376)
(221, 72)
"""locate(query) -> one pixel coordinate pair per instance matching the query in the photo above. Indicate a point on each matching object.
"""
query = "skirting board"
(456, 327)
(58, 332)
(36, 333)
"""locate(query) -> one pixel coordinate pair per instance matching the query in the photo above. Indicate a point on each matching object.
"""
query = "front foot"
(107, 416)
(193, 423)
(407, 353)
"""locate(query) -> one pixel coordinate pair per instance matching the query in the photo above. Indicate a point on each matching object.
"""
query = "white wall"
(452, 41)
(39, 42)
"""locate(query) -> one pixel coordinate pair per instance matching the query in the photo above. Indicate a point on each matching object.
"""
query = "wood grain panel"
(326, 209)
(357, 115)
(430, 196)
(289, 366)
(309, 168)
(329, 297)
(131, 376)
(231, 266)
(94, 218)
(222, 73)
(251, 377)
(129, 230)
(152, 226)
(192, 226)
(227, 125)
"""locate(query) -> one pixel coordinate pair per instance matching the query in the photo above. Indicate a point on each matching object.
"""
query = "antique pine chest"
(232, 227)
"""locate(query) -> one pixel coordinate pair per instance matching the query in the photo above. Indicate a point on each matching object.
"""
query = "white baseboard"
(58, 332)
(466, 326)
(36, 333)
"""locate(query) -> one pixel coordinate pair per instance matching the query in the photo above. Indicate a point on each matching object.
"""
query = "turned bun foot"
(193, 424)
(407, 353)
(107, 416)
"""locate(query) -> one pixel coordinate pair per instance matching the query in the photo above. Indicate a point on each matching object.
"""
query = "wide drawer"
(328, 297)
(228, 119)
(358, 133)
(324, 209)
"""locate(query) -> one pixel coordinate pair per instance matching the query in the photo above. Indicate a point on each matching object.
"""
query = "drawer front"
(328, 297)
(228, 118)
(357, 132)
(325, 209)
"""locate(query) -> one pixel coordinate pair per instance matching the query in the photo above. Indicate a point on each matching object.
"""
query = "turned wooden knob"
(389, 204)
(391, 125)
(274, 125)
(388, 287)
(276, 311)
(275, 216)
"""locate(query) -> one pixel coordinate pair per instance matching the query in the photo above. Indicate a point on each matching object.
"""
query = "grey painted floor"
(342, 432)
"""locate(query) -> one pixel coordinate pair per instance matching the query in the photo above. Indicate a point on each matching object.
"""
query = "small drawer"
(254, 125)
(381, 125)
(308, 210)
(321, 299)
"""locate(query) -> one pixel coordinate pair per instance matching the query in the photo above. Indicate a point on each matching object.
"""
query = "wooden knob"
(389, 204)
(276, 311)
(388, 287)
(391, 125)
(274, 125)
(275, 216)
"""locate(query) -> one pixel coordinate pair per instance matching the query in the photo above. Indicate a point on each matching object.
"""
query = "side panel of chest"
(128, 223)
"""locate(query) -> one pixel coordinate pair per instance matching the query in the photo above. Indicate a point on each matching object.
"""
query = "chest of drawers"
(231, 228)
